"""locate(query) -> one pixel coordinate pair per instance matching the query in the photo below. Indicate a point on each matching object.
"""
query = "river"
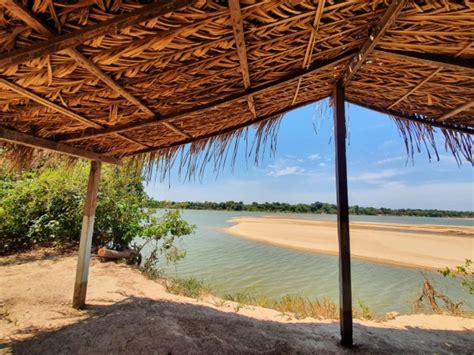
(230, 265)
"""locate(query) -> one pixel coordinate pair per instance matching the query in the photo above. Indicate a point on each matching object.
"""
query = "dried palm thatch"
(139, 78)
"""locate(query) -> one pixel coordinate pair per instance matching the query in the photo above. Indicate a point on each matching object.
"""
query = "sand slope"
(424, 246)
(132, 315)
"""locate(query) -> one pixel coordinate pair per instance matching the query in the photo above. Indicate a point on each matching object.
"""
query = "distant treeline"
(316, 207)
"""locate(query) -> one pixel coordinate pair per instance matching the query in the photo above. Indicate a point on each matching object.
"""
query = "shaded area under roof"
(129, 77)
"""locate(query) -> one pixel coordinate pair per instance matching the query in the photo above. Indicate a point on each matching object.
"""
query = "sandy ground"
(130, 314)
(425, 246)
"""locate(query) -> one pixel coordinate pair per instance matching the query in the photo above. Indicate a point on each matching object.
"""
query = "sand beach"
(422, 246)
(127, 313)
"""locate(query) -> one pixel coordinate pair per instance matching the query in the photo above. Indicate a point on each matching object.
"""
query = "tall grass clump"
(189, 287)
(301, 307)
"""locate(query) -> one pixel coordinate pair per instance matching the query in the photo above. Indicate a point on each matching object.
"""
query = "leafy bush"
(44, 206)
(38, 208)
(463, 272)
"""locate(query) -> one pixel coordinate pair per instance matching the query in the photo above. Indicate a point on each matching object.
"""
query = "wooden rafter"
(457, 110)
(416, 87)
(238, 28)
(315, 68)
(377, 33)
(434, 60)
(63, 110)
(78, 37)
(11, 136)
(31, 20)
(420, 84)
(310, 47)
(417, 119)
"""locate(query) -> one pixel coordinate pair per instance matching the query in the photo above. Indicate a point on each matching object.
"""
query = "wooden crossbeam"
(78, 37)
(416, 87)
(457, 110)
(238, 28)
(12, 136)
(316, 68)
(434, 60)
(310, 47)
(31, 20)
(377, 33)
(417, 119)
(223, 131)
(61, 109)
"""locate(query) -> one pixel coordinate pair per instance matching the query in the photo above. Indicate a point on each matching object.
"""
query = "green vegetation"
(316, 207)
(365, 310)
(296, 305)
(463, 272)
(44, 207)
(299, 306)
(189, 287)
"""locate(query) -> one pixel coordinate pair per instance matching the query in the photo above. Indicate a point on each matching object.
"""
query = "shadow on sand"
(142, 325)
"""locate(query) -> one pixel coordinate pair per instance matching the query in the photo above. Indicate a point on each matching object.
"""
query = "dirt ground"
(130, 314)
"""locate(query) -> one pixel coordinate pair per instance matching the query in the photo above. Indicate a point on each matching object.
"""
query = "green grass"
(296, 305)
(189, 287)
(299, 306)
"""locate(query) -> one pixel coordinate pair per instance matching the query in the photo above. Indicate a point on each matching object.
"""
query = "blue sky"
(302, 169)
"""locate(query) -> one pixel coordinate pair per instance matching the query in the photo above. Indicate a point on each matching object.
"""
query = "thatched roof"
(121, 78)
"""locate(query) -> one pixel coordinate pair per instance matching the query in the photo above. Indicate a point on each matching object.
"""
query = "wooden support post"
(345, 297)
(82, 271)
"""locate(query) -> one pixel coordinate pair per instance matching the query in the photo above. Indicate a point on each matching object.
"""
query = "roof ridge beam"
(53, 106)
(30, 19)
(318, 67)
(73, 39)
(28, 140)
(239, 38)
(377, 33)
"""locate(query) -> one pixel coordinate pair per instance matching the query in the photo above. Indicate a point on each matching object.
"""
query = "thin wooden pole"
(82, 271)
(345, 297)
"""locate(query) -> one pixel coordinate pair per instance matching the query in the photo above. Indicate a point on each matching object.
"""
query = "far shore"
(421, 246)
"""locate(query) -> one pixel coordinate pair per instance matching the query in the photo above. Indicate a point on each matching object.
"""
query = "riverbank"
(422, 246)
(128, 313)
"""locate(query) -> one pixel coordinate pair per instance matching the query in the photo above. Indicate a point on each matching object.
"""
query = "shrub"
(465, 273)
(44, 206)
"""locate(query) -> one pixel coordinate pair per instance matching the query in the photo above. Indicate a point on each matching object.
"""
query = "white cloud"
(322, 165)
(376, 177)
(285, 171)
(390, 160)
(314, 156)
